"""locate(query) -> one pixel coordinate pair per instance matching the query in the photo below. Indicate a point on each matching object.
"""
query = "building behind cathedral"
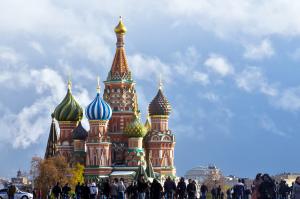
(117, 142)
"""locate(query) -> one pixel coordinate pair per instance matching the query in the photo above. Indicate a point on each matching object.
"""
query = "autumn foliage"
(56, 169)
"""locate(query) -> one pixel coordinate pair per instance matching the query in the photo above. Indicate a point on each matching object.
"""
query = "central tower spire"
(121, 95)
(119, 69)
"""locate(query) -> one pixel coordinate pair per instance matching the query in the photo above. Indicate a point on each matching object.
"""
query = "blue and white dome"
(98, 109)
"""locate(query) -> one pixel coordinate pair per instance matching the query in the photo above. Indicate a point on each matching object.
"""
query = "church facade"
(117, 139)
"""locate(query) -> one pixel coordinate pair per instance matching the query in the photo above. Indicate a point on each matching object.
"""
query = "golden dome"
(120, 28)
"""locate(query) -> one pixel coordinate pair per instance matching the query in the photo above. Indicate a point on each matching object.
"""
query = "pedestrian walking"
(93, 191)
(121, 189)
(191, 189)
(203, 190)
(114, 189)
(170, 188)
(142, 187)
(66, 191)
(156, 190)
(78, 191)
(56, 190)
(296, 189)
(181, 189)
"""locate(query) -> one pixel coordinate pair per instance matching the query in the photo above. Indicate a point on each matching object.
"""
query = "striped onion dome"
(135, 128)
(68, 109)
(98, 109)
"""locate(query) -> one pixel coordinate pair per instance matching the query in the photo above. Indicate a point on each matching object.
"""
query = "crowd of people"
(263, 187)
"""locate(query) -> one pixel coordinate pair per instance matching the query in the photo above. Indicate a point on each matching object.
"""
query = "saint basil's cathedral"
(117, 142)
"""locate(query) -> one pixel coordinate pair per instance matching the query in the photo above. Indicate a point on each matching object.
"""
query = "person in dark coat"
(267, 188)
(191, 190)
(85, 191)
(181, 188)
(156, 190)
(78, 190)
(56, 190)
(203, 190)
(142, 187)
(170, 188)
(66, 190)
(219, 190)
(106, 188)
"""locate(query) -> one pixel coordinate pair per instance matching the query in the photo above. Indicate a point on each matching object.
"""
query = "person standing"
(181, 188)
(142, 187)
(155, 190)
(85, 191)
(170, 188)
(106, 189)
(191, 190)
(66, 190)
(78, 190)
(296, 189)
(114, 189)
(93, 191)
(219, 190)
(11, 191)
(49, 193)
(238, 190)
(57, 191)
(203, 190)
(121, 189)
(214, 193)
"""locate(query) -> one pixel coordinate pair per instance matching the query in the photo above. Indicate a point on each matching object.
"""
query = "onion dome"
(120, 28)
(79, 133)
(159, 105)
(135, 128)
(98, 109)
(68, 109)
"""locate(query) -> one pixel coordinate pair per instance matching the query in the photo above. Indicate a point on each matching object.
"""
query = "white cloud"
(219, 65)
(9, 55)
(263, 50)
(251, 79)
(228, 17)
(210, 96)
(27, 125)
(269, 125)
(200, 77)
(289, 99)
(149, 68)
(37, 47)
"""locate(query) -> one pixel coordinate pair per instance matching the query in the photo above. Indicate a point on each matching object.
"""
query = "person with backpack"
(181, 188)
(93, 191)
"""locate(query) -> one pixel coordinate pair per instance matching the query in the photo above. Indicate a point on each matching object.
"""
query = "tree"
(51, 171)
(77, 175)
(56, 169)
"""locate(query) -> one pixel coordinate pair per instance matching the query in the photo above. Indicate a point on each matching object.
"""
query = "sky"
(230, 71)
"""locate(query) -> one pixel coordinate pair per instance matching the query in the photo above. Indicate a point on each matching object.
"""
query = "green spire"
(68, 109)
